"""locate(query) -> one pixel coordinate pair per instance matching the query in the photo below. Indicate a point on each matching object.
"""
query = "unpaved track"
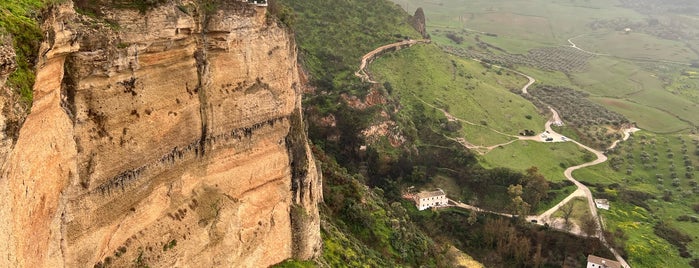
(369, 57)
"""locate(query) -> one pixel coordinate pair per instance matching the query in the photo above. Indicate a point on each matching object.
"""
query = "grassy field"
(614, 78)
(19, 20)
(334, 36)
(464, 88)
(521, 24)
(662, 96)
(548, 77)
(551, 158)
(580, 210)
(483, 136)
(635, 45)
(645, 117)
(644, 248)
(559, 195)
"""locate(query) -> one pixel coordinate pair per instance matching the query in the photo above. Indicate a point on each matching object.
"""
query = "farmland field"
(551, 158)
(635, 45)
(464, 88)
(645, 117)
(663, 166)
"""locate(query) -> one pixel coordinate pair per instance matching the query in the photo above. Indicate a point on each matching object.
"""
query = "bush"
(674, 237)
(456, 38)
(19, 20)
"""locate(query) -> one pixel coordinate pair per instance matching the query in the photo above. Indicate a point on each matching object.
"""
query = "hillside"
(603, 66)
(387, 136)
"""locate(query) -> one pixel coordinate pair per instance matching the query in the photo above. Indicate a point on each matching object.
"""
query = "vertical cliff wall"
(170, 137)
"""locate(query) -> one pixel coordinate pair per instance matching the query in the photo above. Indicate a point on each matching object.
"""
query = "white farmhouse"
(602, 204)
(599, 262)
(425, 200)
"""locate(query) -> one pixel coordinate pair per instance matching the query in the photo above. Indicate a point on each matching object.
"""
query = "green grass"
(483, 136)
(520, 25)
(291, 263)
(551, 158)
(675, 105)
(559, 195)
(548, 77)
(636, 222)
(333, 36)
(647, 118)
(464, 88)
(18, 20)
(636, 46)
(614, 78)
(682, 81)
(644, 248)
(580, 209)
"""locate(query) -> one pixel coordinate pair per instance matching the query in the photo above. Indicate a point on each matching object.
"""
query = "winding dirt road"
(573, 45)
(369, 57)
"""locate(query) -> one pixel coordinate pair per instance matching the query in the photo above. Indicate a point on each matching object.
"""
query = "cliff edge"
(170, 136)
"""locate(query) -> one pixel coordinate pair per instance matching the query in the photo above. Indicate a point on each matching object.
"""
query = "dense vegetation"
(593, 124)
(564, 59)
(19, 25)
(502, 242)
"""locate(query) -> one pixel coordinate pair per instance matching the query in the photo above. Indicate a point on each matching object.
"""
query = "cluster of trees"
(574, 106)
(503, 242)
(649, 154)
(362, 228)
(454, 37)
(588, 119)
(528, 193)
(674, 237)
(562, 59)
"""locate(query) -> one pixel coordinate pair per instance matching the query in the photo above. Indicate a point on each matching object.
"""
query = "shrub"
(674, 237)
(456, 38)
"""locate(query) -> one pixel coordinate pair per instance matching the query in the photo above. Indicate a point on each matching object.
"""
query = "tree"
(589, 225)
(472, 217)
(535, 187)
(567, 210)
(519, 206)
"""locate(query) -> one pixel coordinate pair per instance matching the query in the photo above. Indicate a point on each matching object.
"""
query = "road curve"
(573, 45)
(584, 190)
(369, 57)
(525, 87)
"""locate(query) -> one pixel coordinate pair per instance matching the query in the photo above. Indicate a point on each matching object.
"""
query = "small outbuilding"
(602, 204)
(599, 262)
(425, 200)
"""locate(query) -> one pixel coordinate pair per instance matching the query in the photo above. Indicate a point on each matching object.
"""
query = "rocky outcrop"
(418, 22)
(171, 138)
(7, 66)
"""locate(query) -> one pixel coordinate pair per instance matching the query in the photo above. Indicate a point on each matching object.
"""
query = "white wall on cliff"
(166, 137)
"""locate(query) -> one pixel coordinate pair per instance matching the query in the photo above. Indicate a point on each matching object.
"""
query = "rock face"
(7, 66)
(171, 138)
(418, 22)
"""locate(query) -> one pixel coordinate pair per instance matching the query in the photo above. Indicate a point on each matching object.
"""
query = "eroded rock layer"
(167, 138)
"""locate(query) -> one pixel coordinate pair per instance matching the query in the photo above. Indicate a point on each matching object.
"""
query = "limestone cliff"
(170, 138)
